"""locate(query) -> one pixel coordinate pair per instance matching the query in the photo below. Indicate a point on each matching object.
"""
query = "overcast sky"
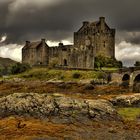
(56, 20)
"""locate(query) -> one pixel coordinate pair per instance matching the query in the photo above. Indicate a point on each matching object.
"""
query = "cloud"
(12, 51)
(56, 20)
(128, 53)
(3, 38)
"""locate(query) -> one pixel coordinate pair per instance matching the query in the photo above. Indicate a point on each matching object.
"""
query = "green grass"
(65, 75)
(129, 113)
(110, 69)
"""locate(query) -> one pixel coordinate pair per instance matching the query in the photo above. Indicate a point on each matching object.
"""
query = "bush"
(101, 61)
(137, 64)
(53, 63)
(18, 68)
(101, 75)
(76, 75)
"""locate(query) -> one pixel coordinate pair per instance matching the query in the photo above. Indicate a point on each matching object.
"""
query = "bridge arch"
(125, 81)
(137, 79)
(126, 77)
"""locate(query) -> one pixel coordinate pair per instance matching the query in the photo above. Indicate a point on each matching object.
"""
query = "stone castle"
(91, 40)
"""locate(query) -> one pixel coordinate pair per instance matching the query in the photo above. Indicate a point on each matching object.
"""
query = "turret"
(28, 43)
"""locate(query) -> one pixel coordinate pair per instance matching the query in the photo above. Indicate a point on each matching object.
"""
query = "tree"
(137, 64)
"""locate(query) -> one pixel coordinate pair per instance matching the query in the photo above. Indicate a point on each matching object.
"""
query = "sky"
(56, 20)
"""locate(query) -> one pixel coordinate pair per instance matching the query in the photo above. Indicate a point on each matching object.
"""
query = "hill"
(6, 62)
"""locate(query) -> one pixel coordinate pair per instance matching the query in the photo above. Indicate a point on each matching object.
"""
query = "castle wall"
(35, 55)
(91, 40)
(29, 56)
(105, 43)
(99, 36)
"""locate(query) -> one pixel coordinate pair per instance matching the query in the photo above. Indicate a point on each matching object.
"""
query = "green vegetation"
(137, 64)
(5, 63)
(76, 75)
(109, 69)
(129, 113)
(65, 75)
(102, 61)
(18, 68)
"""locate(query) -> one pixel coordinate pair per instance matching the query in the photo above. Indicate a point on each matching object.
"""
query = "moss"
(129, 113)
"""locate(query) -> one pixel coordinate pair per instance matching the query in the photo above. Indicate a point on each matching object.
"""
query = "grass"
(129, 113)
(65, 75)
(110, 69)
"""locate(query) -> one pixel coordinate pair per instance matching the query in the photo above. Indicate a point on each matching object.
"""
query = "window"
(65, 62)
(104, 43)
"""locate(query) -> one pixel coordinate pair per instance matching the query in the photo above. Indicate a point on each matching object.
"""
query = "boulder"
(56, 107)
(89, 87)
(127, 100)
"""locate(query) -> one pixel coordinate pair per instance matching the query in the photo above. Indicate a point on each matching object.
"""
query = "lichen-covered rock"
(127, 100)
(56, 107)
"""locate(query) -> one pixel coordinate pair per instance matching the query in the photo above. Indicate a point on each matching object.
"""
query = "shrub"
(76, 75)
(101, 75)
(137, 64)
(53, 63)
(101, 61)
(18, 68)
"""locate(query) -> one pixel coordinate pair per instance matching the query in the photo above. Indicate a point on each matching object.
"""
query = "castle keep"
(91, 40)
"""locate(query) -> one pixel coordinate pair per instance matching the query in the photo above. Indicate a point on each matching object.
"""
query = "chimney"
(102, 19)
(85, 23)
(27, 43)
(60, 44)
(43, 40)
(102, 23)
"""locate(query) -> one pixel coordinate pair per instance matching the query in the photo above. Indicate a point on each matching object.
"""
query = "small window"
(64, 49)
(104, 43)
(65, 62)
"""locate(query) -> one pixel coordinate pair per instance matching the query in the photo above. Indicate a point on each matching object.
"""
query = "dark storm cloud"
(58, 19)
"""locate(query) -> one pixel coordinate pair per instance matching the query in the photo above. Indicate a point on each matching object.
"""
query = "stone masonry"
(91, 40)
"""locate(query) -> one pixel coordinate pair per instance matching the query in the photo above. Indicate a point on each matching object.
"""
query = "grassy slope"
(6, 62)
(66, 75)
(129, 113)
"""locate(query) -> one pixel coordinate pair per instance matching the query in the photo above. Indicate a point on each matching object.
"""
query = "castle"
(90, 41)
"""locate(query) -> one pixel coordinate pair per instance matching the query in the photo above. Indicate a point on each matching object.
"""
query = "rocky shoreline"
(57, 107)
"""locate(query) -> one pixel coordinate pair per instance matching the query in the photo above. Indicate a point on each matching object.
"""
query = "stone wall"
(91, 40)
(97, 35)
(35, 55)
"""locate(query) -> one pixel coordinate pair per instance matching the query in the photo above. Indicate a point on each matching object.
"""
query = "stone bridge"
(130, 75)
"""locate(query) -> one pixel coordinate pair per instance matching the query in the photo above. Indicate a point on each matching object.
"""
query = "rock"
(56, 107)
(89, 87)
(101, 109)
(64, 85)
(112, 130)
(127, 100)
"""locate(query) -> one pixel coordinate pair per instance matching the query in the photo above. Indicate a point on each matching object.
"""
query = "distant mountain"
(5, 62)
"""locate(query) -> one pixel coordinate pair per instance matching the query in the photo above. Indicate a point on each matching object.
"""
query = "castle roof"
(93, 25)
(33, 45)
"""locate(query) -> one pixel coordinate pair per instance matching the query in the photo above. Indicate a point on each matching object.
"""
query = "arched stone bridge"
(130, 75)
